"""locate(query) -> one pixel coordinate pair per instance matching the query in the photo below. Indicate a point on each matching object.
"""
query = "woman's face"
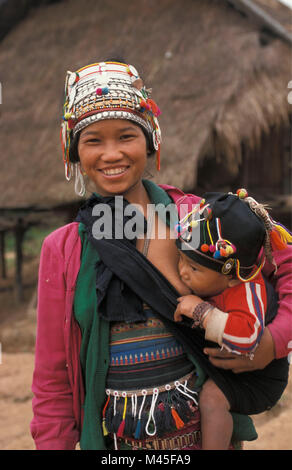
(113, 154)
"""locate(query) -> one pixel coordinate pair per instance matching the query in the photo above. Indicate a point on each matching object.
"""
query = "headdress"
(226, 233)
(107, 90)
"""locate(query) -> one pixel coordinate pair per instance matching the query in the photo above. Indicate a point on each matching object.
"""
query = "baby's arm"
(241, 327)
(186, 306)
(281, 326)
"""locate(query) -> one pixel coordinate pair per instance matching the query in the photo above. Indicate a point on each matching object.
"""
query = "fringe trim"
(149, 412)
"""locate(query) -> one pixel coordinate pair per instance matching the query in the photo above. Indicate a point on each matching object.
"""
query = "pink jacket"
(57, 380)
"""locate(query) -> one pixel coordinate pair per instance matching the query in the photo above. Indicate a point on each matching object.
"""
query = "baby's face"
(203, 281)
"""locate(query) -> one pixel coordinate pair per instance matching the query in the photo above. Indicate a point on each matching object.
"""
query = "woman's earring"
(80, 188)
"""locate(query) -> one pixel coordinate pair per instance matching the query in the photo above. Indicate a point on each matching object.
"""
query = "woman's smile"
(114, 172)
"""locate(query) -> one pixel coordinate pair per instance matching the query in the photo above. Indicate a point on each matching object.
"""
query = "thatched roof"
(216, 84)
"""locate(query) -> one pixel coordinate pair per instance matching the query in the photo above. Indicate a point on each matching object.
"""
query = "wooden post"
(19, 235)
(2, 254)
(264, 19)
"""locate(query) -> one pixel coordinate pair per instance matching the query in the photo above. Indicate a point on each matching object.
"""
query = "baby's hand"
(186, 306)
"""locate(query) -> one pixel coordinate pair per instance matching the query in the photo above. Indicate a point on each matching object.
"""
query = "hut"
(219, 74)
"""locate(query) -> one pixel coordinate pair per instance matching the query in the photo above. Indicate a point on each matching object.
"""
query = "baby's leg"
(216, 421)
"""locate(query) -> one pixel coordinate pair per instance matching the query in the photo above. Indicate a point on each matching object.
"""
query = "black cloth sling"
(125, 279)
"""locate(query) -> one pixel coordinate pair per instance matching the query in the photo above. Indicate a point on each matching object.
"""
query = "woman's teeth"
(114, 171)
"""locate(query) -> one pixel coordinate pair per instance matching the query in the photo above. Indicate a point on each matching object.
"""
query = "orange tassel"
(276, 241)
(178, 421)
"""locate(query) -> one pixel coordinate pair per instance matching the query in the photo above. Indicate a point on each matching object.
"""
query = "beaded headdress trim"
(222, 251)
(106, 90)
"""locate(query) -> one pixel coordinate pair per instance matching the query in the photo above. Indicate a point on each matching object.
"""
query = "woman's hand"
(186, 306)
(263, 355)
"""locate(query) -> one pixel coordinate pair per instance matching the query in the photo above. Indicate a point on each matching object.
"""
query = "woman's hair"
(73, 150)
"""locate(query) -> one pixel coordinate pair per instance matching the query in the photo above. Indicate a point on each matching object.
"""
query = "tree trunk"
(19, 235)
(2, 255)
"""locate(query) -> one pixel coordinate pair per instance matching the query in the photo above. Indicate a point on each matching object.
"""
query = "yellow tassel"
(104, 429)
(285, 236)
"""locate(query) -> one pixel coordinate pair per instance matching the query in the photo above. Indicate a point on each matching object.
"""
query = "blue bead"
(217, 254)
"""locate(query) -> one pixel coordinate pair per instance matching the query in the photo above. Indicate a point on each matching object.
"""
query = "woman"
(112, 369)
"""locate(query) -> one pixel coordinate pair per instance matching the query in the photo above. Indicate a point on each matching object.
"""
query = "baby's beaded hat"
(226, 233)
(107, 90)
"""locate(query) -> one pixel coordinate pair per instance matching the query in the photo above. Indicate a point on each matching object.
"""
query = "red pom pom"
(99, 91)
(143, 104)
(154, 108)
(204, 248)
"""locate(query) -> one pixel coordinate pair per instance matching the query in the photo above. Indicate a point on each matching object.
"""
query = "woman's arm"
(53, 426)
(263, 355)
(281, 327)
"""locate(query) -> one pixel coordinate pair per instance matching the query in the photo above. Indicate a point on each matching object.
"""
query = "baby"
(229, 296)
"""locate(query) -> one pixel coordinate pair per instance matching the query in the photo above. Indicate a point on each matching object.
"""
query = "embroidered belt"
(189, 437)
(152, 390)
(171, 443)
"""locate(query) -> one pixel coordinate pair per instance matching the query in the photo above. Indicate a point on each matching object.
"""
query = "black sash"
(125, 279)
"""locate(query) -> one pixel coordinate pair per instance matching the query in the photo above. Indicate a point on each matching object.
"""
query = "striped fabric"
(144, 354)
